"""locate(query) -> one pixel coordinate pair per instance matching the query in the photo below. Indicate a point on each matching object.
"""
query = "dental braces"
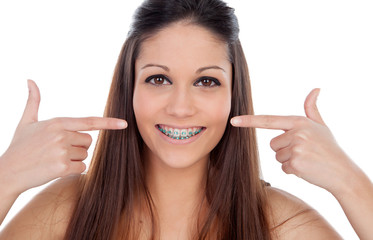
(179, 138)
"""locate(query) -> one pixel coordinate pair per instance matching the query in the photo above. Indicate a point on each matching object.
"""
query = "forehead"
(187, 44)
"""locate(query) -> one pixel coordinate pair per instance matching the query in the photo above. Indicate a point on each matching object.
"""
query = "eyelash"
(151, 80)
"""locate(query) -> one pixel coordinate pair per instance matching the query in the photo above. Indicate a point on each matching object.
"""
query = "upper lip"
(181, 127)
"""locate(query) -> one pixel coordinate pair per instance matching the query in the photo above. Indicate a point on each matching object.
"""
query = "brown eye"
(158, 80)
(207, 82)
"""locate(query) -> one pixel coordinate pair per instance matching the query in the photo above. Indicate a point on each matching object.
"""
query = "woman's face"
(182, 94)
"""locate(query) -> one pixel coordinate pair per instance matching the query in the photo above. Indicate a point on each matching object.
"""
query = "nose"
(181, 103)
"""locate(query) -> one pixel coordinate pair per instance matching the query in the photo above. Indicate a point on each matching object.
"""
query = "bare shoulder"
(47, 215)
(292, 218)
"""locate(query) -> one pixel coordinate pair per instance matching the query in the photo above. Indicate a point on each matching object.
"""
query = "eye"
(207, 82)
(158, 80)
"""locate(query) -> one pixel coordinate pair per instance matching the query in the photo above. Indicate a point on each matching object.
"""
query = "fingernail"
(122, 124)
(236, 121)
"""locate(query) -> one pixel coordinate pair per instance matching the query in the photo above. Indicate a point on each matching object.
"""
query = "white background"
(70, 48)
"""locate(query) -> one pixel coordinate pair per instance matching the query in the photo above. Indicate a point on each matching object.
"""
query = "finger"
(78, 153)
(283, 155)
(287, 167)
(80, 139)
(265, 121)
(92, 123)
(76, 167)
(310, 106)
(30, 113)
(281, 141)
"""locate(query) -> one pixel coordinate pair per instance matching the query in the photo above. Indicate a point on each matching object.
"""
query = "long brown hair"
(115, 185)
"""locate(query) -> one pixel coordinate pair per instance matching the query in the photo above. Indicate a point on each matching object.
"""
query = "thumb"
(32, 106)
(310, 106)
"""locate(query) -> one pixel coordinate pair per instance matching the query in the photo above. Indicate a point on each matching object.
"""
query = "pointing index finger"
(264, 121)
(92, 123)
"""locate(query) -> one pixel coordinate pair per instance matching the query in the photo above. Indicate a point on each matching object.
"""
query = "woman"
(184, 168)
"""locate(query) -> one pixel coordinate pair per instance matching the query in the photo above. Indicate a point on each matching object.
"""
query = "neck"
(176, 192)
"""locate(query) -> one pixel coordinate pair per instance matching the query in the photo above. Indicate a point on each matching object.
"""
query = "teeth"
(184, 132)
(176, 133)
(170, 132)
(190, 131)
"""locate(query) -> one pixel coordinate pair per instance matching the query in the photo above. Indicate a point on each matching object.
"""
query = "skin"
(53, 148)
(308, 150)
(175, 175)
(176, 172)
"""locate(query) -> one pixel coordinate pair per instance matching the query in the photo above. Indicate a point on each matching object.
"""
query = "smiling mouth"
(179, 133)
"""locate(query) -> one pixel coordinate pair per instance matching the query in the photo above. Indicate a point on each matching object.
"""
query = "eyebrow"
(167, 69)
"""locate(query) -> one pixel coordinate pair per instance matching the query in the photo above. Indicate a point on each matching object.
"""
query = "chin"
(181, 162)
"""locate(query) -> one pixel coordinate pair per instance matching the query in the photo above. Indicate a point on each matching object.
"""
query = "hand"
(307, 148)
(45, 150)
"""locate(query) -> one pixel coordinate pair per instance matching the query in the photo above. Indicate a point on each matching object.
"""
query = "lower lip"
(179, 142)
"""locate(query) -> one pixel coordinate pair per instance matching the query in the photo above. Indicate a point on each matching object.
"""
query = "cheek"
(144, 113)
(219, 110)
(142, 106)
(141, 109)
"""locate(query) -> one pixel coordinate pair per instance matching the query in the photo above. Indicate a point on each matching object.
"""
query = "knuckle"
(63, 168)
(63, 153)
(296, 165)
(267, 120)
(300, 121)
(301, 135)
(293, 164)
(85, 154)
(278, 156)
(50, 124)
(296, 149)
(56, 122)
(286, 168)
(83, 167)
(79, 167)
(272, 144)
(60, 137)
(89, 139)
(90, 123)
